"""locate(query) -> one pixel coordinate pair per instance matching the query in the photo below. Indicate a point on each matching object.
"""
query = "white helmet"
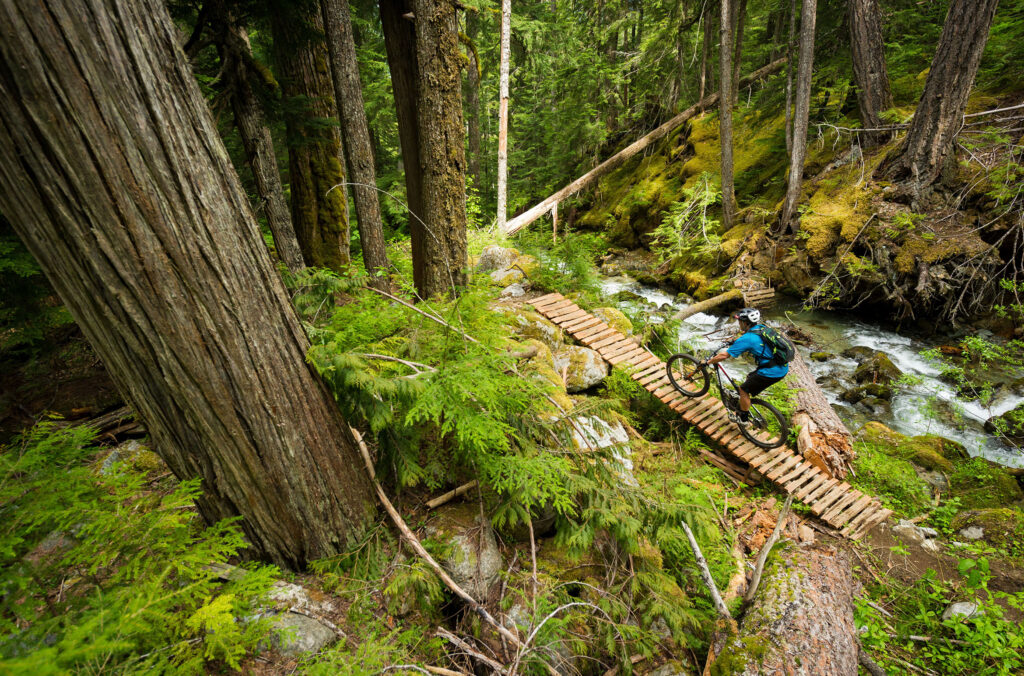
(752, 315)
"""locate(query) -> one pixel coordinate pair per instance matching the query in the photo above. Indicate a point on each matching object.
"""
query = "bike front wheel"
(766, 427)
(688, 375)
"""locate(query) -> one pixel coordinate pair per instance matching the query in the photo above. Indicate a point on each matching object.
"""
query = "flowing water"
(928, 406)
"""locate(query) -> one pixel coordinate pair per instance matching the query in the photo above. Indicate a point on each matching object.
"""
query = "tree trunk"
(506, 32)
(400, 43)
(243, 75)
(790, 45)
(632, 150)
(348, 91)
(113, 174)
(705, 59)
(869, 69)
(800, 116)
(442, 147)
(319, 214)
(725, 116)
(473, 72)
(800, 621)
(738, 20)
(705, 305)
(929, 142)
(824, 440)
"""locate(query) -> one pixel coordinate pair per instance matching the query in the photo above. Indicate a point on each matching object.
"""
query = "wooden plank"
(620, 348)
(853, 511)
(783, 468)
(564, 320)
(762, 456)
(629, 357)
(547, 310)
(866, 527)
(656, 380)
(794, 472)
(865, 513)
(746, 450)
(649, 370)
(610, 339)
(828, 499)
(840, 505)
(782, 457)
(711, 411)
(804, 478)
(562, 312)
(663, 390)
(813, 488)
(582, 323)
(704, 403)
(716, 426)
(819, 490)
(598, 336)
(592, 331)
(548, 299)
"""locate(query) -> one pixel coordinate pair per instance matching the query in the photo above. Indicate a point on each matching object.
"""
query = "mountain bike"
(766, 427)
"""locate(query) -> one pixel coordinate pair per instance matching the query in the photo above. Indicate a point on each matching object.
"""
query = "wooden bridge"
(835, 502)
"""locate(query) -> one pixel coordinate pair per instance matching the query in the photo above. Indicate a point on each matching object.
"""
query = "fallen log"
(823, 439)
(704, 305)
(616, 160)
(800, 621)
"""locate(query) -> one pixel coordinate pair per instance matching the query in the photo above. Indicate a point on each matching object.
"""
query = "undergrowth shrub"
(892, 479)
(102, 573)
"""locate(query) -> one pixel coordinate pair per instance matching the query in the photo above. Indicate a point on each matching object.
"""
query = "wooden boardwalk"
(834, 502)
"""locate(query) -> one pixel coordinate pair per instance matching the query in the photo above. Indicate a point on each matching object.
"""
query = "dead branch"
(451, 495)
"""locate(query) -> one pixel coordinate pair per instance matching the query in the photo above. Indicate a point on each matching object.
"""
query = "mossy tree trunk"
(705, 58)
(113, 174)
(738, 20)
(442, 148)
(244, 77)
(799, 622)
(869, 69)
(725, 116)
(795, 181)
(319, 214)
(929, 144)
(348, 92)
(400, 44)
(823, 440)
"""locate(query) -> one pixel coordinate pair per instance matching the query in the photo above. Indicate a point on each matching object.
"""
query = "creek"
(927, 405)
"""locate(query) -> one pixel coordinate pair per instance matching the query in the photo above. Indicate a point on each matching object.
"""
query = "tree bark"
(442, 147)
(112, 172)
(348, 91)
(739, 19)
(704, 305)
(705, 59)
(790, 46)
(400, 43)
(243, 76)
(930, 139)
(725, 115)
(638, 146)
(506, 30)
(473, 72)
(801, 620)
(319, 214)
(824, 440)
(869, 69)
(800, 116)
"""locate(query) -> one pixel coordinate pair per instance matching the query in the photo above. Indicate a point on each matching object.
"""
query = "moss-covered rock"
(614, 318)
(856, 394)
(877, 369)
(472, 556)
(1002, 527)
(981, 483)
(583, 368)
(820, 356)
(922, 451)
(531, 325)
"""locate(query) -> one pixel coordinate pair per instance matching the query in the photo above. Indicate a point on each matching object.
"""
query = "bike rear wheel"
(766, 427)
(688, 375)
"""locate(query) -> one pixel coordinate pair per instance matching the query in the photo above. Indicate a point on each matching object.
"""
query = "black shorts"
(756, 383)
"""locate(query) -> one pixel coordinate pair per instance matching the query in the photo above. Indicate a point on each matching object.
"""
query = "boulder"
(614, 318)
(494, 257)
(673, 668)
(858, 353)
(820, 356)
(532, 325)
(592, 433)
(876, 390)
(513, 291)
(964, 609)
(296, 634)
(877, 369)
(584, 368)
(927, 451)
(874, 406)
(473, 559)
(999, 527)
(507, 276)
(910, 532)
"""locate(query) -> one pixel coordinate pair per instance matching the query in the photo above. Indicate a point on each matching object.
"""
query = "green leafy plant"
(687, 228)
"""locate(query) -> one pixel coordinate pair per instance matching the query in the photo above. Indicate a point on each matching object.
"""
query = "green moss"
(740, 652)
(891, 479)
(980, 483)
(614, 318)
(923, 451)
(1003, 526)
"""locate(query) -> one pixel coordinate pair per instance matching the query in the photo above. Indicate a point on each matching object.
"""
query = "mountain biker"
(767, 372)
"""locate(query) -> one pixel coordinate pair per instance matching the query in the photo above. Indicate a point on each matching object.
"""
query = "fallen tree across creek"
(616, 160)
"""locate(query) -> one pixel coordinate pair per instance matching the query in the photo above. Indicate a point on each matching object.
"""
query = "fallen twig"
(705, 573)
(476, 654)
(451, 495)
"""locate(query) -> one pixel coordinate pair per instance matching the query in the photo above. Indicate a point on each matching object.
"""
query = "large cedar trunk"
(795, 180)
(319, 210)
(504, 58)
(400, 43)
(801, 620)
(242, 75)
(442, 147)
(473, 100)
(823, 440)
(869, 69)
(725, 114)
(929, 142)
(348, 92)
(112, 172)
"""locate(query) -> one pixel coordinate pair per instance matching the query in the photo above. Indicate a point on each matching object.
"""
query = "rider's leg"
(744, 400)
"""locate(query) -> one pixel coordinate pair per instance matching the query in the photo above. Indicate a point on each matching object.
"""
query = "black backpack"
(783, 350)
